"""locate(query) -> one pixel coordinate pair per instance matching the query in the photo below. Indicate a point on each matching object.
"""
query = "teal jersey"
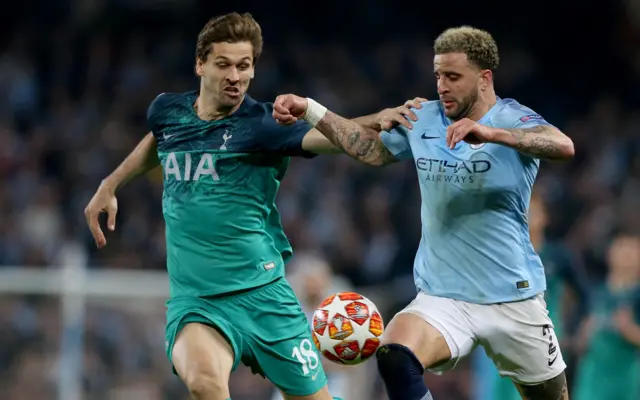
(223, 230)
(563, 271)
(606, 344)
(610, 361)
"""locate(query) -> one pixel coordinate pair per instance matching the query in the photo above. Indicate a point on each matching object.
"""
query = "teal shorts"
(266, 328)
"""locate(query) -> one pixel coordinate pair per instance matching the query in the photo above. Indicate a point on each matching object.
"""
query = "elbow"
(566, 150)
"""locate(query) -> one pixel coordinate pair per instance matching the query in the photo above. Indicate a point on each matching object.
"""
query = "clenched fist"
(288, 108)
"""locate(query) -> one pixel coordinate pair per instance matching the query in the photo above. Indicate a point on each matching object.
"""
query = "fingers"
(457, 131)
(279, 107)
(111, 218)
(400, 117)
(415, 103)
(406, 111)
(94, 226)
(281, 111)
(450, 131)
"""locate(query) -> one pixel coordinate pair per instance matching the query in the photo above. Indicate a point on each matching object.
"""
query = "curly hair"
(477, 44)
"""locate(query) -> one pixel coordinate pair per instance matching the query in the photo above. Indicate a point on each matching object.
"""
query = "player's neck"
(209, 109)
(486, 101)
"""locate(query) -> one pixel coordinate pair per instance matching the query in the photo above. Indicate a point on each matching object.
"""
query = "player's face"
(227, 72)
(624, 257)
(458, 84)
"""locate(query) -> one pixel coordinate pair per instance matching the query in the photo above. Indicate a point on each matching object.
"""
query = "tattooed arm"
(317, 142)
(322, 143)
(358, 141)
(360, 138)
(543, 141)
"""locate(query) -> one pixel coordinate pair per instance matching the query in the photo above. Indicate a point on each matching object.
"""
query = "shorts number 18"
(306, 355)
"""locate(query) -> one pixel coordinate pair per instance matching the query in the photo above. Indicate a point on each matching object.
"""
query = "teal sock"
(337, 398)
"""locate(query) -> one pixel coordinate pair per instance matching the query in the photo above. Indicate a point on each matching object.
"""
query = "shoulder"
(253, 108)
(158, 113)
(429, 115)
(514, 114)
(164, 101)
(429, 109)
(258, 113)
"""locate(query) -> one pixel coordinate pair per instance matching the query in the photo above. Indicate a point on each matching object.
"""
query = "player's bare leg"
(410, 345)
(553, 389)
(322, 394)
(203, 359)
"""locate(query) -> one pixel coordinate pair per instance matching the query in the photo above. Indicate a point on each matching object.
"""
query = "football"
(347, 328)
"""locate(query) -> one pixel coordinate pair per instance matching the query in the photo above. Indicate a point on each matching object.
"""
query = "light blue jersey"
(475, 243)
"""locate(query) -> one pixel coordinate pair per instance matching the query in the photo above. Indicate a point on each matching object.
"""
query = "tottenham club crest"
(226, 138)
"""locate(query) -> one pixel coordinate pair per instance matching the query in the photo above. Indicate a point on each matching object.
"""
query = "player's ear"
(199, 67)
(486, 78)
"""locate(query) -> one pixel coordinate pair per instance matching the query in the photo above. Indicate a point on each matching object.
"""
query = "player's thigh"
(551, 389)
(435, 329)
(322, 394)
(202, 357)
(280, 341)
(520, 339)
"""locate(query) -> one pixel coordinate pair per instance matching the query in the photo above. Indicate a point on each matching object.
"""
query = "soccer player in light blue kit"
(479, 279)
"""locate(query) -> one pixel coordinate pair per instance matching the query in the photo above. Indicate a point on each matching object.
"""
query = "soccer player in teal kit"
(479, 279)
(223, 158)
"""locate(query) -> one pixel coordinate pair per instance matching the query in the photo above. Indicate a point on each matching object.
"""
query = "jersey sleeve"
(154, 112)
(397, 142)
(284, 139)
(519, 116)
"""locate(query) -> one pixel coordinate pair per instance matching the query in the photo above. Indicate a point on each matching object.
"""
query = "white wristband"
(315, 112)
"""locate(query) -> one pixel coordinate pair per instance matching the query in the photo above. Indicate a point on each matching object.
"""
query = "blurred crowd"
(75, 82)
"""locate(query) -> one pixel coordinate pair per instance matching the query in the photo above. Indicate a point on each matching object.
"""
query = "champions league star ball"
(347, 328)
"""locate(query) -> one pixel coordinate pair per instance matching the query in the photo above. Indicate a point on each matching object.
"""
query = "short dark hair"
(230, 28)
(477, 44)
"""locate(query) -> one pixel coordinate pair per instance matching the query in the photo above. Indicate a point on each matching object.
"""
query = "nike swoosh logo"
(165, 136)
(424, 136)
(552, 361)
(314, 376)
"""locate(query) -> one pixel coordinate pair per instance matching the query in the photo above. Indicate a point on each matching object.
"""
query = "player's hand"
(288, 108)
(103, 201)
(623, 320)
(402, 115)
(470, 132)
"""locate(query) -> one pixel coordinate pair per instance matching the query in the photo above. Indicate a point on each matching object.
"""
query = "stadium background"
(76, 78)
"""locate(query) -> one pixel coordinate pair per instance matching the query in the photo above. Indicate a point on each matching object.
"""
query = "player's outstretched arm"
(316, 142)
(142, 159)
(358, 141)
